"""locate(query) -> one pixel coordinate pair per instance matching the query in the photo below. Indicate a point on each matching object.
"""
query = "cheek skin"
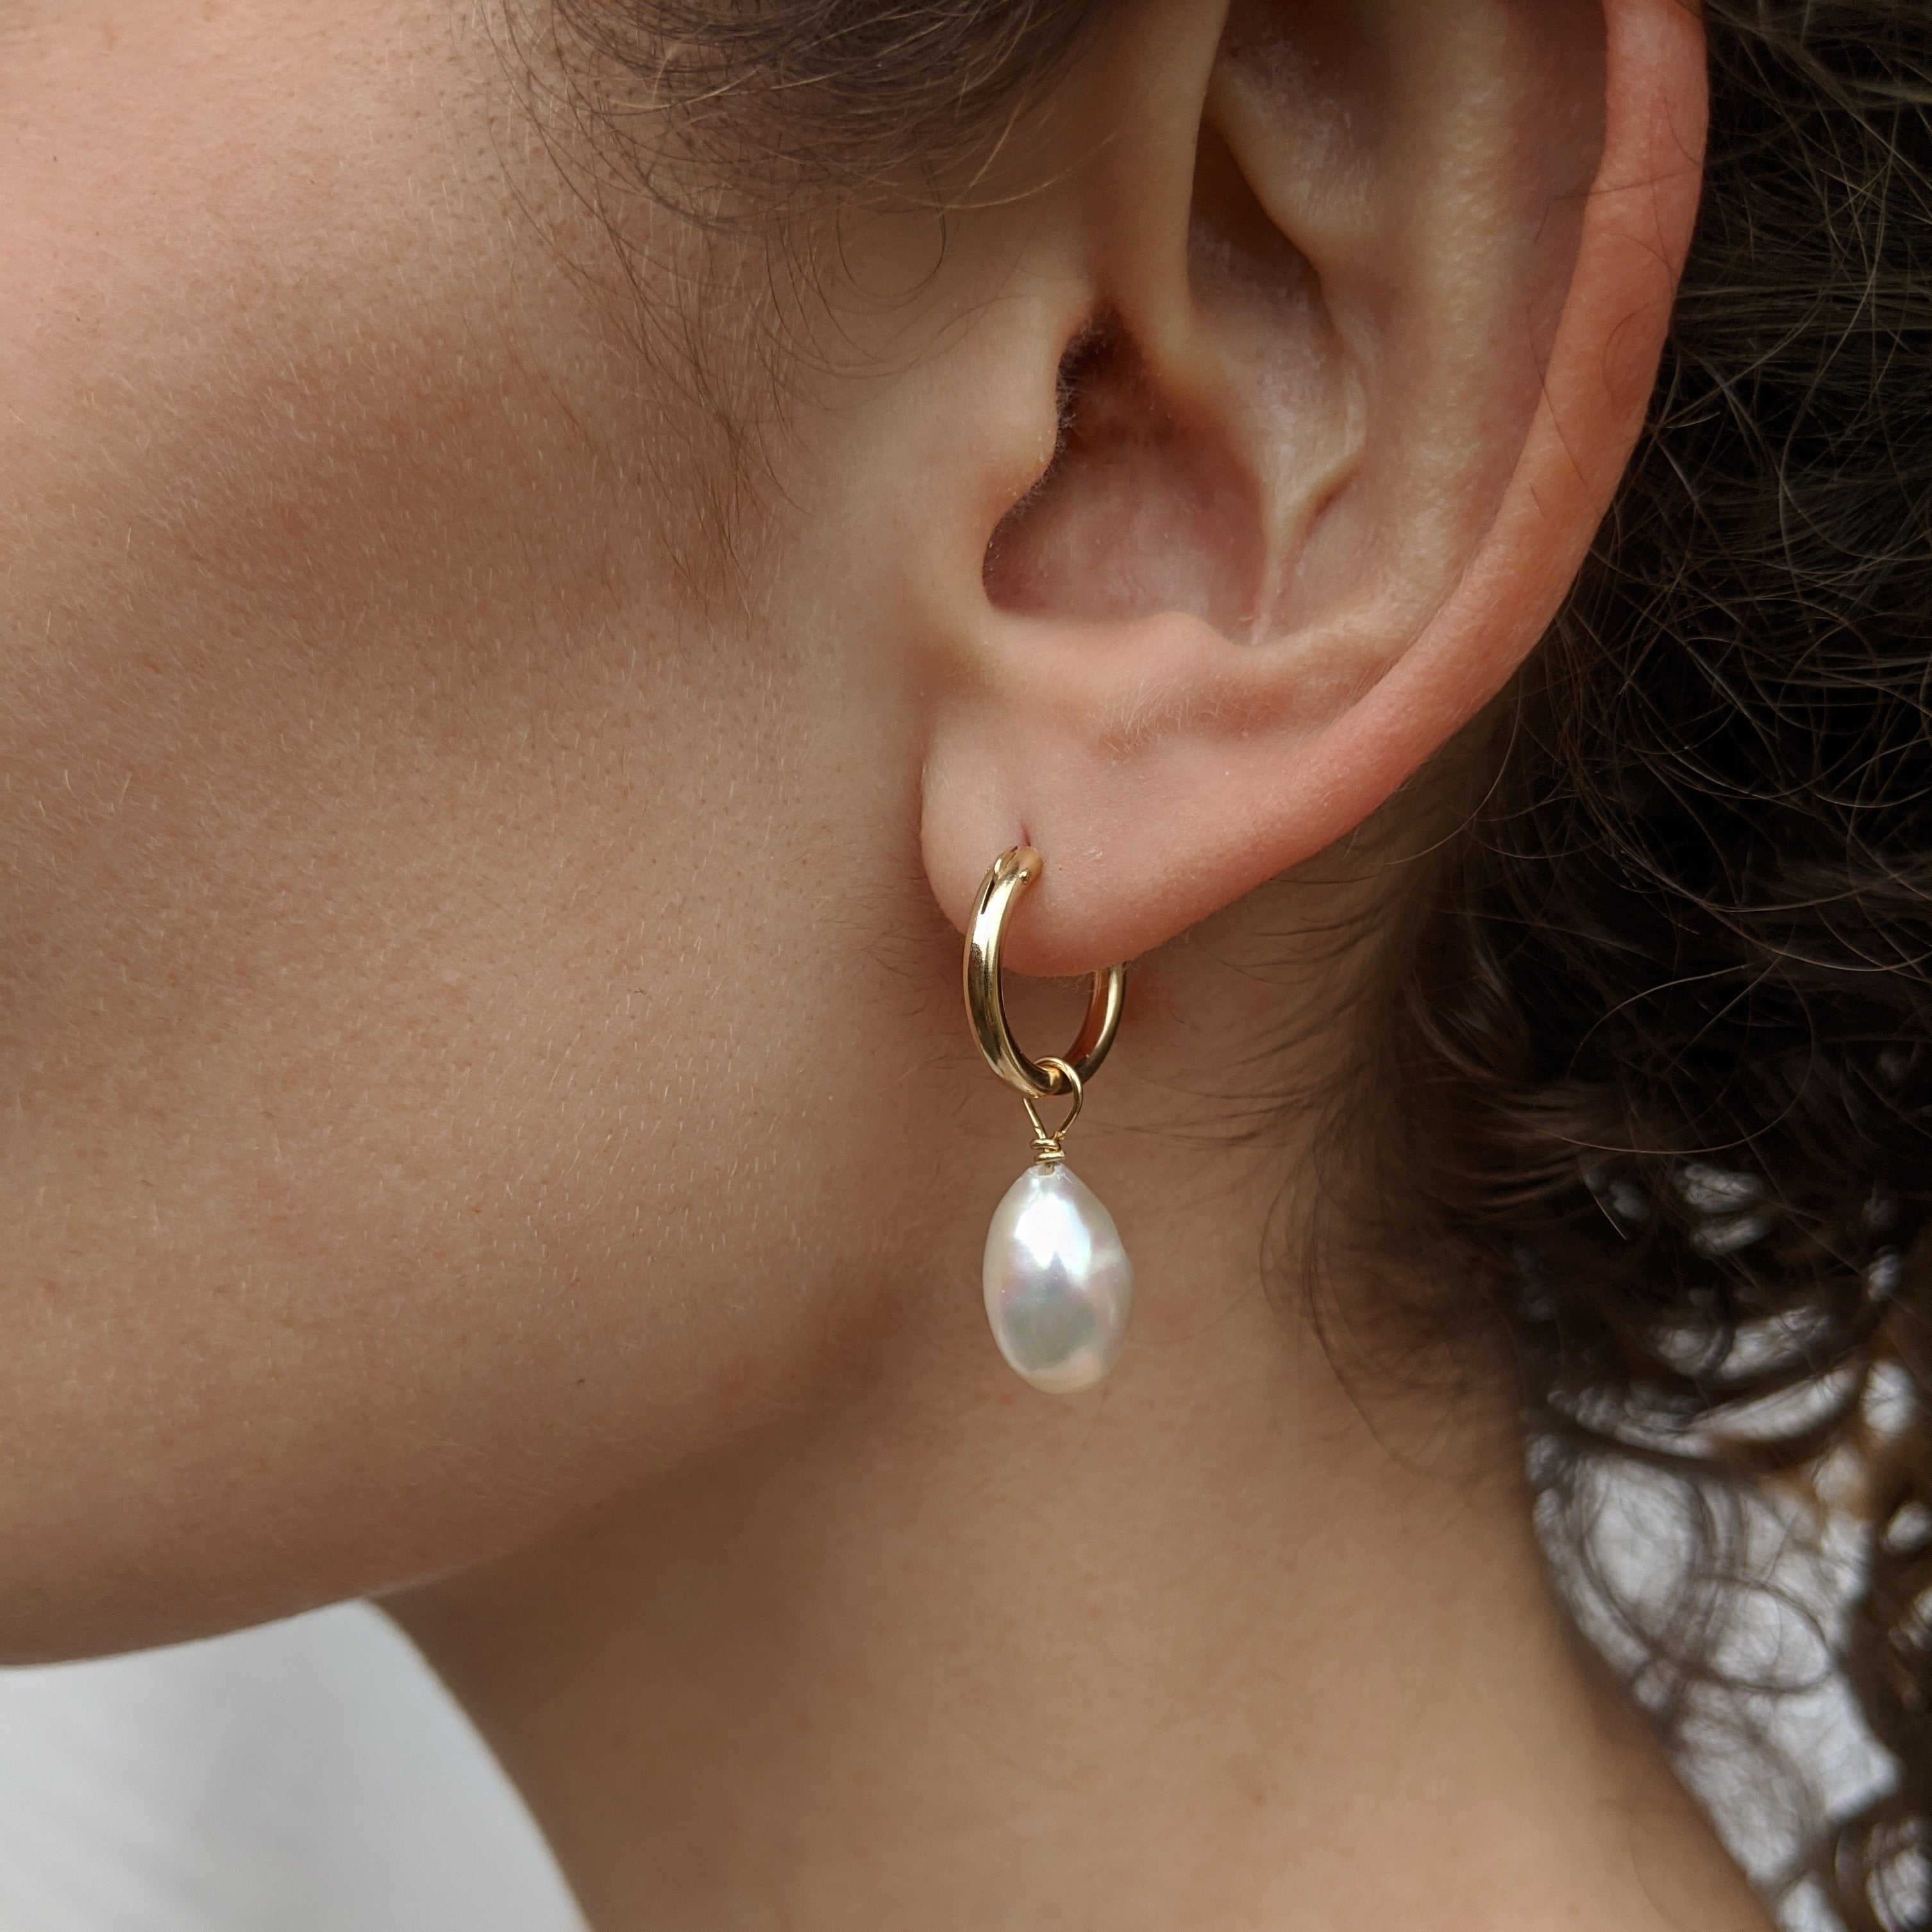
(410, 1119)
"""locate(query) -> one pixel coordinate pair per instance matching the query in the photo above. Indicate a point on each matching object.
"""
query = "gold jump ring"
(1009, 876)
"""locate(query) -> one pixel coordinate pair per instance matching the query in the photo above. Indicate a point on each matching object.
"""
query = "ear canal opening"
(1140, 511)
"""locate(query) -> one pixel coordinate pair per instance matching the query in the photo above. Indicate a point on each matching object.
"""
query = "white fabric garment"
(312, 1776)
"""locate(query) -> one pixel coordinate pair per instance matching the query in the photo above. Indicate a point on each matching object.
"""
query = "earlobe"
(1326, 463)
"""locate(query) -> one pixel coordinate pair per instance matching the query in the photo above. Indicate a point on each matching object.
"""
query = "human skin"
(491, 1125)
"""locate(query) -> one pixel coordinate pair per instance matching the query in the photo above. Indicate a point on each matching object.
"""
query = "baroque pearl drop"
(1059, 1287)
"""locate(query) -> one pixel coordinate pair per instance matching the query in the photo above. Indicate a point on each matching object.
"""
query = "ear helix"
(1058, 1286)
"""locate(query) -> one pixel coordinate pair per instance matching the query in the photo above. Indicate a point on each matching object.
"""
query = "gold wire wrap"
(1009, 875)
(1046, 1147)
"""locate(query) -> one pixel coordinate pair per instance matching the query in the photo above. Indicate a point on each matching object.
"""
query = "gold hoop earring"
(1058, 1286)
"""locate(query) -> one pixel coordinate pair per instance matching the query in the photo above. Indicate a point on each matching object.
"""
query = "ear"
(1354, 307)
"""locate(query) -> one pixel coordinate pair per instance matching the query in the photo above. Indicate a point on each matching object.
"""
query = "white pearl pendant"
(1059, 1286)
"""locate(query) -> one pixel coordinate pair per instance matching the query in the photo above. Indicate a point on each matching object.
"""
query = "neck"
(1214, 1648)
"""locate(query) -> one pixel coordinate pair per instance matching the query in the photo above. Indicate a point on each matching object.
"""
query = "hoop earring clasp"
(1009, 876)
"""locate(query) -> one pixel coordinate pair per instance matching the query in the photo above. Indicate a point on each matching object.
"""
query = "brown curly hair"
(1669, 1011)
(1661, 1010)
